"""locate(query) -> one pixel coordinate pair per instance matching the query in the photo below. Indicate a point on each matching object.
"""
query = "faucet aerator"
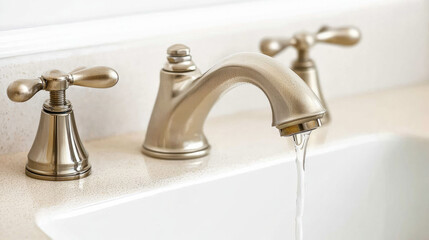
(300, 127)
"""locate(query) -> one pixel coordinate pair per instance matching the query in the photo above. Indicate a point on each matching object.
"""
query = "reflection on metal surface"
(57, 152)
(185, 98)
(304, 66)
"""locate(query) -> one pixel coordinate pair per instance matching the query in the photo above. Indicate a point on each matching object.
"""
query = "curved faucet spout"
(176, 127)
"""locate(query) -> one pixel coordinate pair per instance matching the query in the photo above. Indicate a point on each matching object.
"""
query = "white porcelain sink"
(372, 188)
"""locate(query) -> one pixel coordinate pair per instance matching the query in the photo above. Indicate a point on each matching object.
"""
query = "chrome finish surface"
(302, 42)
(57, 153)
(184, 100)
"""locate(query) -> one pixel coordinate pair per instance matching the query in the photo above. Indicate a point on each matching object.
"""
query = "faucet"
(57, 153)
(185, 97)
(304, 65)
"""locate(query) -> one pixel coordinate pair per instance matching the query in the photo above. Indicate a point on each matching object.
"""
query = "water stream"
(300, 141)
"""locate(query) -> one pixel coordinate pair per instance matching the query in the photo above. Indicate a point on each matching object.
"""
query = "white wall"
(394, 51)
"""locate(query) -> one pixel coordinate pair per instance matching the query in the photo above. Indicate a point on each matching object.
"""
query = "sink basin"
(374, 187)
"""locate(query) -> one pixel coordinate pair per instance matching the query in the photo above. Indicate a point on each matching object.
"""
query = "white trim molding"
(133, 27)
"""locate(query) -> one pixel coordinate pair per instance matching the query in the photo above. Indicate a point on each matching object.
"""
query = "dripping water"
(300, 141)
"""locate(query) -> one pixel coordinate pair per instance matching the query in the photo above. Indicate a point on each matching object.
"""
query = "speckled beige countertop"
(238, 142)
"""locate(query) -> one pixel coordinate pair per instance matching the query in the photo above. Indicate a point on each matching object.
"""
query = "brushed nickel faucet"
(304, 66)
(57, 152)
(185, 97)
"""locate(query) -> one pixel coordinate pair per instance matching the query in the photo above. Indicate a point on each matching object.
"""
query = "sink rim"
(48, 215)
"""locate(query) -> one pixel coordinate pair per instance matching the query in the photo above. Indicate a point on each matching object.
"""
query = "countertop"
(239, 142)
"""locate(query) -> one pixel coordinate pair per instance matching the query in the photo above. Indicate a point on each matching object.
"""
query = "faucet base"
(176, 155)
(78, 175)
